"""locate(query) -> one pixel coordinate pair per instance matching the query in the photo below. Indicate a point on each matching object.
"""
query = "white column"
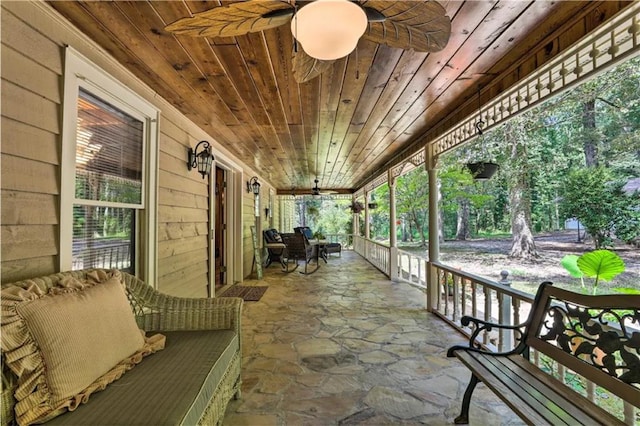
(367, 234)
(434, 243)
(393, 234)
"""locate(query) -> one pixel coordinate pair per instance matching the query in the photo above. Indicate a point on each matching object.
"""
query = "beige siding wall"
(33, 40)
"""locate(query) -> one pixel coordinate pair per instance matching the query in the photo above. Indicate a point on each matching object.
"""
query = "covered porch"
(346, 345)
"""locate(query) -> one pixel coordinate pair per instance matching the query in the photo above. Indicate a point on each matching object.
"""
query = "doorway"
(220, 227)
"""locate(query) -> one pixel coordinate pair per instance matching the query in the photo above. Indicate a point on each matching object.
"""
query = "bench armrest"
(479, 326)
(157, 311)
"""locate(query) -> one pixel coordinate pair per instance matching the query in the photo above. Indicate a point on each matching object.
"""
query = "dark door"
(220, 227)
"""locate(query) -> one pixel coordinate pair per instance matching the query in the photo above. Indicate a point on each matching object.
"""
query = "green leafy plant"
(598, 264)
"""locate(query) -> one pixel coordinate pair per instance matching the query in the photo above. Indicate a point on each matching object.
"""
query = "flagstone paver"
(346, 346)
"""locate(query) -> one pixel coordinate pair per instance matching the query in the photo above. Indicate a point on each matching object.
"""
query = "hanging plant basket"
(356, 207)
(482, 170)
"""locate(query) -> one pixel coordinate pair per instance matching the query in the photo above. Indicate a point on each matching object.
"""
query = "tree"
(523, 245)
(460, 195)
(412, 197)
(596, 200)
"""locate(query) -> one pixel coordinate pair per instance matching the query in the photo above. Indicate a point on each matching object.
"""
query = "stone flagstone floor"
(346, 346)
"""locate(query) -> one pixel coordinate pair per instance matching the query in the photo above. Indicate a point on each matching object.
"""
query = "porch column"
(393, 235)
(355, 228)
(367, 234)
(434, 243)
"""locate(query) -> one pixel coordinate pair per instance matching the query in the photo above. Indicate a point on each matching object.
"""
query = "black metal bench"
(594, 336)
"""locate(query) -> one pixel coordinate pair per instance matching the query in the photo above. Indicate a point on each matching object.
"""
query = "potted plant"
(356, 207)
(482, 170)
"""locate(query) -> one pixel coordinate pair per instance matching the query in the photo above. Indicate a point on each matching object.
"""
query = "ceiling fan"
(316, 192)
(326, 30)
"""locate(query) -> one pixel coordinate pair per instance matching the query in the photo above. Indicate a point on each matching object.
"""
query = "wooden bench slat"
(533, 392)
(576, 401)
(528, 413)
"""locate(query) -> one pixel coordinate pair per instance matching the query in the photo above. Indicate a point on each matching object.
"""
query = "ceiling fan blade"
(420, 25)
(235, 19)
(306, 68)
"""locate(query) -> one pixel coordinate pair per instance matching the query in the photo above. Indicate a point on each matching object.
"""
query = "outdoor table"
(322, 248)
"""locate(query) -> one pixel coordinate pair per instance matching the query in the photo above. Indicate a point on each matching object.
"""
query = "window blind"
(109, 152)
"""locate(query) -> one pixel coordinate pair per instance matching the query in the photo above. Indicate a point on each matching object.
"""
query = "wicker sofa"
(189, 381)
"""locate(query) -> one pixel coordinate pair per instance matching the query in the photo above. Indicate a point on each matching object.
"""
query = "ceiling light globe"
(329, 29)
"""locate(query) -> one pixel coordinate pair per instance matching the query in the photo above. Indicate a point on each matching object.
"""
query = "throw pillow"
(68, 341)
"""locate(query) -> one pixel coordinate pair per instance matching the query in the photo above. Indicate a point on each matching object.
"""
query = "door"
(220, 227)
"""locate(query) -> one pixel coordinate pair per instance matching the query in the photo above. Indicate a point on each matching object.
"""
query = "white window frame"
(80, 72)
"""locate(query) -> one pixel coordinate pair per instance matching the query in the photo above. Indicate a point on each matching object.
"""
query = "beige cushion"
(67, 342)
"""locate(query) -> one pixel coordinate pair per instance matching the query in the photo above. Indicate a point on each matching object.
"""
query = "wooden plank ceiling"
(344, 125)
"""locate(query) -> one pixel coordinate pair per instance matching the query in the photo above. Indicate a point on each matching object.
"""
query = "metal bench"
(596, 337)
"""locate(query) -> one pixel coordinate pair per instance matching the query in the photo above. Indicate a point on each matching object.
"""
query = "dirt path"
(487, 257)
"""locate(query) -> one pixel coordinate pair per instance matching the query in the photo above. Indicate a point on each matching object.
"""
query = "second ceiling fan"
(327, 30)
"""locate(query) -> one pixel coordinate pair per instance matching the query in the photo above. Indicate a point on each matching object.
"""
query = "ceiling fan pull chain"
(357, 65)
(295, 36)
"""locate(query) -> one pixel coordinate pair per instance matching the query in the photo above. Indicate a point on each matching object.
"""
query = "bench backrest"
(598, 337)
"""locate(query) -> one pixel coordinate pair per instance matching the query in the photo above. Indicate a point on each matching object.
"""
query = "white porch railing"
(460, 293)
(411, 269)
(377, 254)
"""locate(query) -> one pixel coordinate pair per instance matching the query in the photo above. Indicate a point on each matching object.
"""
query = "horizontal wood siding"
(30, 172)
(183, 216)
(32, 82)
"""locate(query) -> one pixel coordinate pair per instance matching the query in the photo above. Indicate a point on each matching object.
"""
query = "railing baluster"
(487, 311)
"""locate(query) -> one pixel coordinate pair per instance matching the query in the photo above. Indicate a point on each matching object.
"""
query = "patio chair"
(275, 247)
(327, 248)
(298, 248)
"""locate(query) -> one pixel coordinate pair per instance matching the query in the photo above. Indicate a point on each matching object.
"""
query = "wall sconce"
(266, 212)
(253, 186)
(202, 160)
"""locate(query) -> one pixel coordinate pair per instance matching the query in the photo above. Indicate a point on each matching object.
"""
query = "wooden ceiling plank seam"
(250, 128)
(141, 15)
(350, 98)
(267, 87)
(205, 59)
(332, 82)
(454, 10)
(429, 70)
(410, 62)
(250, 133)
(466, 85)
(374, 87)
(310, 104)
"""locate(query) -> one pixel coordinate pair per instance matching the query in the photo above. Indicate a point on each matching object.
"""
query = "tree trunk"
(523, 245)
(462, 231)
(589, 132)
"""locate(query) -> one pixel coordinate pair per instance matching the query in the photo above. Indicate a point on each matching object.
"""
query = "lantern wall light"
(201, 160)
(253, 186)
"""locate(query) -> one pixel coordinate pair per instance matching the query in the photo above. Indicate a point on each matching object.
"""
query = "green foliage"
(570, 263)
(599, 203)
(598, 264)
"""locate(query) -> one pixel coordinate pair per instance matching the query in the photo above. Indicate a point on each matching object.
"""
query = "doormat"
(248, 293)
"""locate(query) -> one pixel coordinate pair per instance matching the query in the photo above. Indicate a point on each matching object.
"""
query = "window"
(109, 145)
